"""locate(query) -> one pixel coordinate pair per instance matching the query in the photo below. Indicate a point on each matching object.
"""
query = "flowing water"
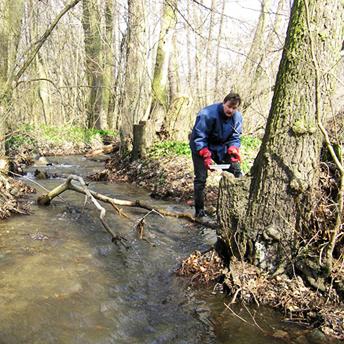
(63, 281)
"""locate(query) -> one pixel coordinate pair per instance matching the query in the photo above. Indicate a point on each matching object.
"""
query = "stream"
(63, 281)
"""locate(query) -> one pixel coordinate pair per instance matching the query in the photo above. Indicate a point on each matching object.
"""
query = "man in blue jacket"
(215, 138)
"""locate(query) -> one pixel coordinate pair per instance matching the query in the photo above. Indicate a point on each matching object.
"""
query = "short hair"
(232, 97)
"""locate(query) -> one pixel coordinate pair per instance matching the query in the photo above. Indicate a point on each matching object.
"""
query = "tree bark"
(135, 84)
(270, 227)
(94, 62)
(208, 53)
(252, 68)
(160, 101)
(173, 71)
(108, 64)
(217, 65)
(10, 30)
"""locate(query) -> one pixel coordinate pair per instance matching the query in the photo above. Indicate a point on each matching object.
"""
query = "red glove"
(234, 154)
(206, 155)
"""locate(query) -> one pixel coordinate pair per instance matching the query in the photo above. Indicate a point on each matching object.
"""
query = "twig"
(235, 296)
(238, 316)
(254, 320)
(141, 223)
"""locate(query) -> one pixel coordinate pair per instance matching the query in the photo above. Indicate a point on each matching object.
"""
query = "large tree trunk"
(265, 218)
(160, 99)
(173, 71)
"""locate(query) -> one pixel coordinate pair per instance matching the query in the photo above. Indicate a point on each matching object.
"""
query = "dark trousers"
(201, 174)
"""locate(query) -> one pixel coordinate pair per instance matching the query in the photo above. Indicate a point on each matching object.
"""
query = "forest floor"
(170, 177)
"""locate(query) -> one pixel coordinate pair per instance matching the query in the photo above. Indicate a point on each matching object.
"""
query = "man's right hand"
(206, 155)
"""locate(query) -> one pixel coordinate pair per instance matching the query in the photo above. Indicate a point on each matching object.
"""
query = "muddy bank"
(172, 178)
(11, 197)
(168, 178)
(246, 284)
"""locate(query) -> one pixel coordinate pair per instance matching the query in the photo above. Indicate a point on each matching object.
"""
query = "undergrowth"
(29, 135)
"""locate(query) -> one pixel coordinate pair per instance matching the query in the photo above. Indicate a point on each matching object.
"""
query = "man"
(215, 138)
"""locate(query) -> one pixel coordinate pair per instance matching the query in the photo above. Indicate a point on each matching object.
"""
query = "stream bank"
(63, 281)
(172, 179)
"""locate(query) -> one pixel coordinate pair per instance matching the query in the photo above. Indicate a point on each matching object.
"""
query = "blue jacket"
(216, 131)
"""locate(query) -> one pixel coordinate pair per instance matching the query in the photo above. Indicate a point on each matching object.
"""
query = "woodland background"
(113, 64)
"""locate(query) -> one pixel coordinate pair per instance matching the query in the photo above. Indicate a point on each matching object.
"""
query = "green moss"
(301, 127)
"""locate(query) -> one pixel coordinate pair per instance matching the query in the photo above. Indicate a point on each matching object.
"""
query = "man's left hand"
(234, 154)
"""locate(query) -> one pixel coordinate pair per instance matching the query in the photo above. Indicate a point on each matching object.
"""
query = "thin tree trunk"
(10, 31)
(217, 66)
(208, 52)
(94, 72)
(173, 71)
(252, 67)
(189, 48)
(197, 65)
(135, 95)
(108, 63)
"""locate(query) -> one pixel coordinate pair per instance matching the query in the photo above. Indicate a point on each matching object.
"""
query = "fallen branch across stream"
(95, 196)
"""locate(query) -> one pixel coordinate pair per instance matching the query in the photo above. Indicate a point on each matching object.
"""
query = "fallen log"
(68, 185)
(107, 149)
(94, 196)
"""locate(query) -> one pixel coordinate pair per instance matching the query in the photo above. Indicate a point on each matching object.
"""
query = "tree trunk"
(217, 65)
(108, 63)
(173, 71)
(10, 29)
(252, 67)
(189, 48)
(265, 218)
(135, 94)
(160, 102)
(208, 53)
(94, 72)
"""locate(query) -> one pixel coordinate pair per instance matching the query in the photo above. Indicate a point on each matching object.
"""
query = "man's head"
(231, 104)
